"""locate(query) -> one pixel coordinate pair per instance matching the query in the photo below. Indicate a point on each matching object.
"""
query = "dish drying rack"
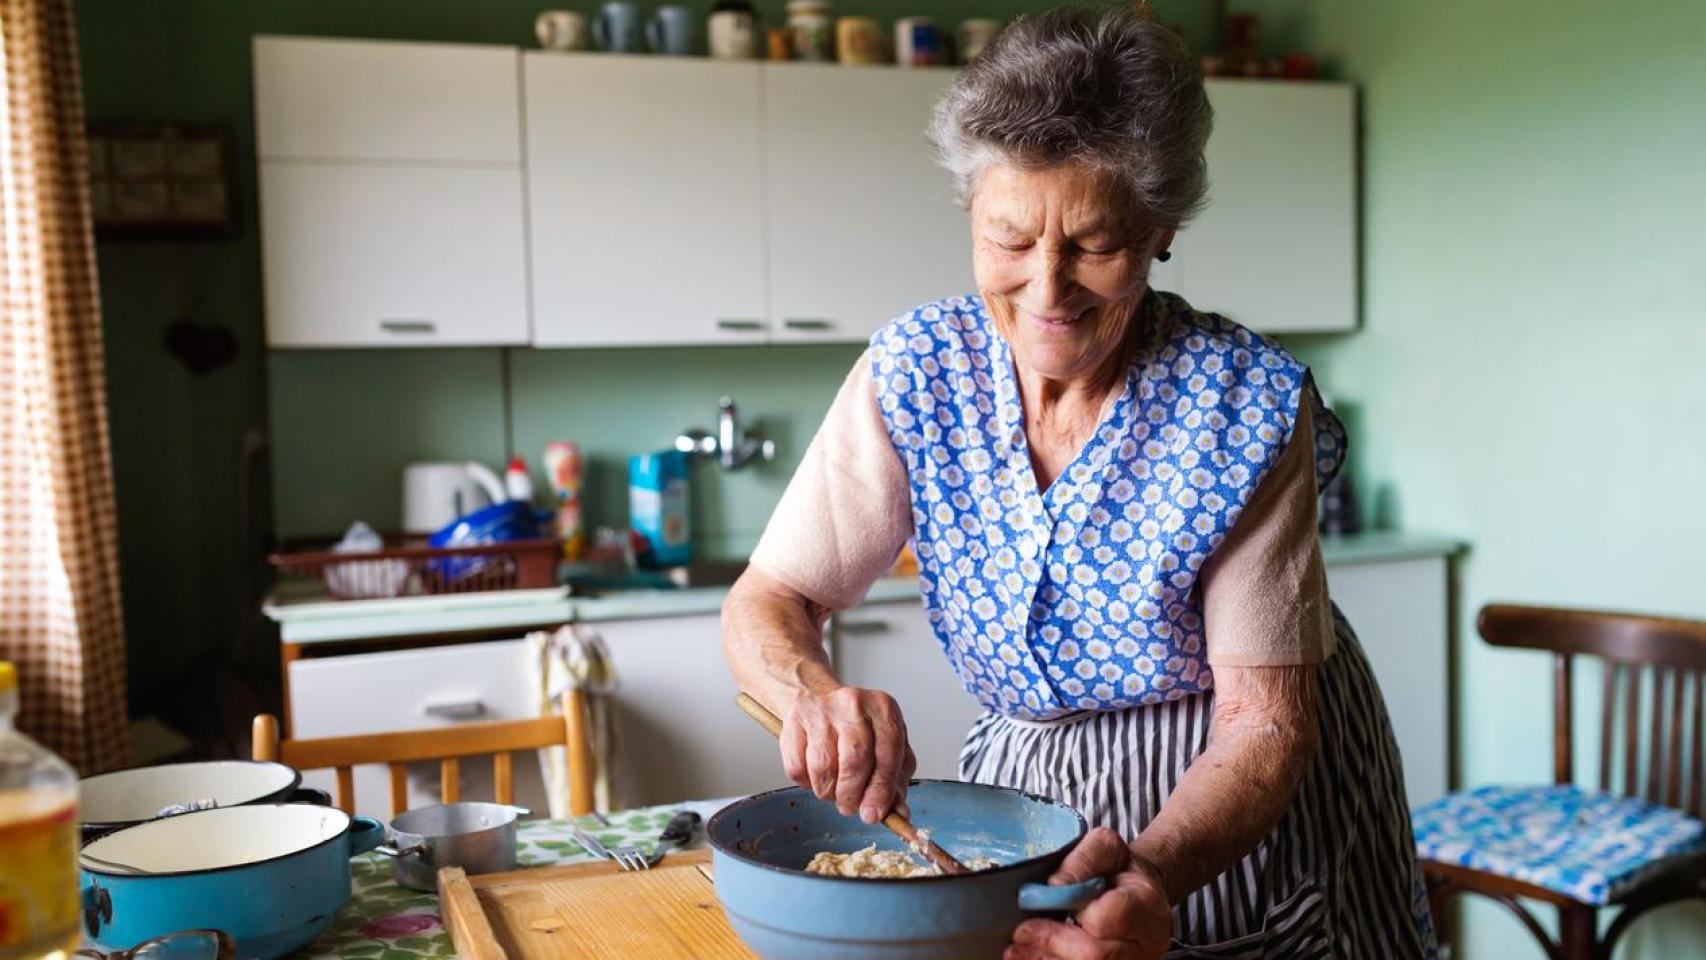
(412, 568)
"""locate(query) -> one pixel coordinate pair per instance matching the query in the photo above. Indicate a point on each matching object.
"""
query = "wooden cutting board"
(590, 910)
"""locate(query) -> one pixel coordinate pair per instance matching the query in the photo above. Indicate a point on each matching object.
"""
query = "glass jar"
(812, 27)
(38, 841)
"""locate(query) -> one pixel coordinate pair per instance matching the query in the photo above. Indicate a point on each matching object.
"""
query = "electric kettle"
(437, 494)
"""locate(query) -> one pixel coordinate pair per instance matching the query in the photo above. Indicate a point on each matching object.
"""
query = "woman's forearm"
(844, 743)
(1262, 740)
(773, 641)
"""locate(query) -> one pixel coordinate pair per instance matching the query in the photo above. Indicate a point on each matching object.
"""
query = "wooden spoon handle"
(895, 821)
(761, 713)
(902, 828)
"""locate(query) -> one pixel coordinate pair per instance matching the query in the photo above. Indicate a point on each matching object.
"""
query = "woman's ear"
(1163, 242)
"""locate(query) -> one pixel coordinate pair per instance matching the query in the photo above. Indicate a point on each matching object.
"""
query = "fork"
(626, 857)
(632, 858)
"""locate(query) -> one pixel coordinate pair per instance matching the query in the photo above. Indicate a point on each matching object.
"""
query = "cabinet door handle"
(861, 628)
(808, 323)
(739, 324)
(456, 710)
(404, 325)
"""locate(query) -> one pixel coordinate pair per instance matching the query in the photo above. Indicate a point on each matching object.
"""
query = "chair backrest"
(449, 746)
(1661, 657)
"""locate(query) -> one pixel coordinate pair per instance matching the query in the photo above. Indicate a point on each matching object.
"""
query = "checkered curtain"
(59, 591)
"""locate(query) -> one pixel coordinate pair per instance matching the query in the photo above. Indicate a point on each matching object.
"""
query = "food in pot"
(869, 862)
(873, 864)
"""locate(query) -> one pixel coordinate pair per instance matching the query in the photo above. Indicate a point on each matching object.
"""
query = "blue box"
(658, 506)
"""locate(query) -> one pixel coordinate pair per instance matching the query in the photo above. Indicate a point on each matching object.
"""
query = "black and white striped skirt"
(1337, 877)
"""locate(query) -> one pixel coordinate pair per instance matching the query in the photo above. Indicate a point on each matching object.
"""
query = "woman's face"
(1061, 262)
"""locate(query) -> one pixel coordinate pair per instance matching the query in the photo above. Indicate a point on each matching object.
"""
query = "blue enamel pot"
(760, 847)
(271, 875)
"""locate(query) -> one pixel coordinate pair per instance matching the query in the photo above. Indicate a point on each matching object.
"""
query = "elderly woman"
(1112, 501)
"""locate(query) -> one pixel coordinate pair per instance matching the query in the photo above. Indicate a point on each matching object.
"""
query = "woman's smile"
(1055, 323)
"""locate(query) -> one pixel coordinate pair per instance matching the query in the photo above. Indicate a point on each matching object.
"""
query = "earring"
(1164, 256)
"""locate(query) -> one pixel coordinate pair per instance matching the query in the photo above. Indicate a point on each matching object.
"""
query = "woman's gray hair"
(1108, 88)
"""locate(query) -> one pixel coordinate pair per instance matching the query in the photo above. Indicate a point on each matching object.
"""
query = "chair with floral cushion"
(1634, 848)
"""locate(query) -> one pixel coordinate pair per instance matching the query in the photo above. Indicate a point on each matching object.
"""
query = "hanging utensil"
(895, 820)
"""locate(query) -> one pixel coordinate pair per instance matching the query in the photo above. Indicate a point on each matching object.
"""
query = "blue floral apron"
(1081, 597)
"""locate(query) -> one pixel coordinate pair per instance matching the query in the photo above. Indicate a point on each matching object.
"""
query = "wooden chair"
(449, 746)
(1673, 653)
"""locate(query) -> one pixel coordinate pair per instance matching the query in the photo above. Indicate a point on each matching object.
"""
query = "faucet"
(732, 446)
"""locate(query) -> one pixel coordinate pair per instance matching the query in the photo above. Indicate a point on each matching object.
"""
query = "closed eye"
(1095, 245)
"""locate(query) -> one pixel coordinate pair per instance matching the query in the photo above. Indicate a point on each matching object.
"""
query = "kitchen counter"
(310, 618)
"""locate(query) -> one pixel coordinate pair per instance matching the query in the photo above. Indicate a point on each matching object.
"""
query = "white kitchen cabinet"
(890, 647)
(645, 200)
(862, 222)
(398, 690)
(690, 201)
(1399, 609)
(392, 255)
(391, 193)
(335, 99)
(1275, 248)
(679, 734)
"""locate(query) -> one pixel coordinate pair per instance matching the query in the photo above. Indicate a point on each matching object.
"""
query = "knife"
(590, 844)
(677, 833)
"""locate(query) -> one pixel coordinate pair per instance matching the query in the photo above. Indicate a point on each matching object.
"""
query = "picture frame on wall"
(161, 182)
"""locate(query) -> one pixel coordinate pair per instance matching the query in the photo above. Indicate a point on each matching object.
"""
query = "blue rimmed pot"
(271, 875)
(761, 846)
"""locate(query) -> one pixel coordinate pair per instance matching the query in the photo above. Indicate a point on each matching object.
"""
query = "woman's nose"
(1052, 278)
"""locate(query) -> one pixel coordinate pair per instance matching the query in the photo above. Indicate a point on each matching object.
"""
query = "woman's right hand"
(848, 744)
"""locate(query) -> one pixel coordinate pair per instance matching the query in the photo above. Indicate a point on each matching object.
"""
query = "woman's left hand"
(1131, 921)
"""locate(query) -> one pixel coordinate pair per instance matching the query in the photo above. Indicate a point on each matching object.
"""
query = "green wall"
(1534, 319)
(447, 404)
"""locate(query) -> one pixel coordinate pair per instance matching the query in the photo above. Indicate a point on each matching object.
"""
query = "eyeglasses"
(183, 945)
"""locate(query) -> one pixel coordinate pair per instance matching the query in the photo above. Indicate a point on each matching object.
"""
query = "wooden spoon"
(895, 821)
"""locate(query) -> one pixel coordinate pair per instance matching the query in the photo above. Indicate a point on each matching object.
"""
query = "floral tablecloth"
(384, 921)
